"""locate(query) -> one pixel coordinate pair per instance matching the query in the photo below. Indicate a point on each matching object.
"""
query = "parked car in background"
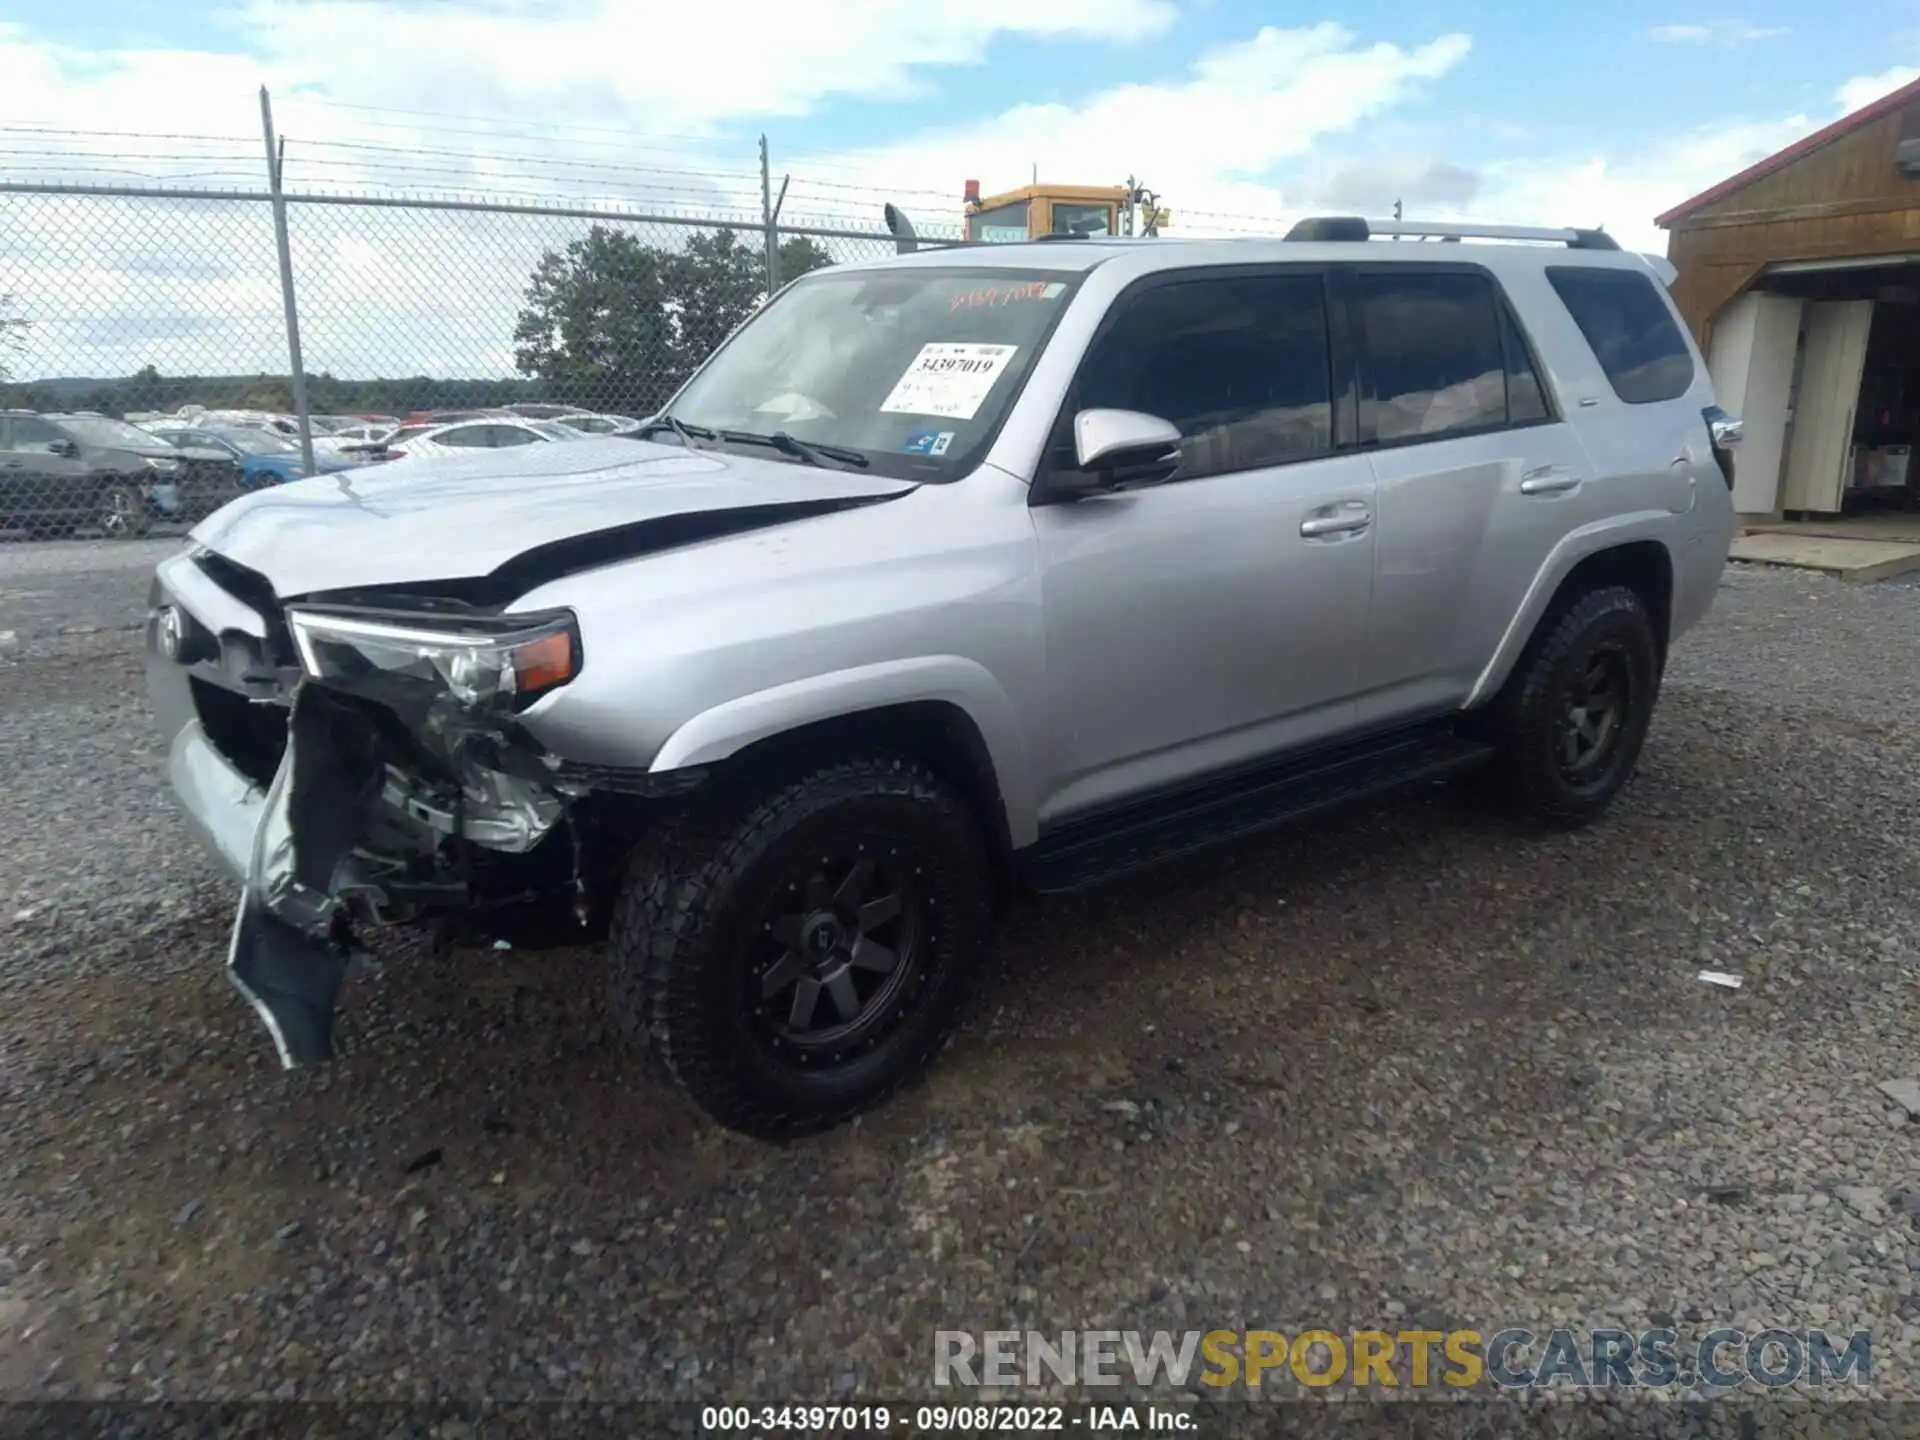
(540, 410)
(448, 417)
(600, 424)
(360, 432)
(493, 434)
(264, 457)
(61, 472)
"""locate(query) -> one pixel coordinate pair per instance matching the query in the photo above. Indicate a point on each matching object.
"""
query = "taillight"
(1725, 432)
(393, 454)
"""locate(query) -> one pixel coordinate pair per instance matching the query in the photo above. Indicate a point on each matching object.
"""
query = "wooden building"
(1800, 277)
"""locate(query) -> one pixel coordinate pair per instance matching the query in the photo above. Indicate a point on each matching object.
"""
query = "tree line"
(606, 322)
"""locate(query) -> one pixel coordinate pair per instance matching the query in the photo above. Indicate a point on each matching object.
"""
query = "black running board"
(1230, 807)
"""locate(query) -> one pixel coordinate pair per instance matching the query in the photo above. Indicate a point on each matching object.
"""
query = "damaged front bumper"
(334, 809)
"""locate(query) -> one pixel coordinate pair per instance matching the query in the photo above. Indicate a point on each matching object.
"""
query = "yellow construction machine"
(1036, 211)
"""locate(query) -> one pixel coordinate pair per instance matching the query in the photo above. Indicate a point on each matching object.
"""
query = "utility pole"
(275, 155)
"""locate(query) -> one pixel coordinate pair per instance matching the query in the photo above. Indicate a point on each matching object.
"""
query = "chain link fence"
(145, 372)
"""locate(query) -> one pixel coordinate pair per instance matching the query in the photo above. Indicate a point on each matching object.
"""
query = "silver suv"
(949, 576)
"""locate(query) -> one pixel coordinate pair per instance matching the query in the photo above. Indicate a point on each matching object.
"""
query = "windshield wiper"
(684, 432)
(810, 451)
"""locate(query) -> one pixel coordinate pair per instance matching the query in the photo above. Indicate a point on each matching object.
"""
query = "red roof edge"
(1846, 124)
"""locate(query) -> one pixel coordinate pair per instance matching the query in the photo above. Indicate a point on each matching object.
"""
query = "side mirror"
(1114, 449)
(67, 449)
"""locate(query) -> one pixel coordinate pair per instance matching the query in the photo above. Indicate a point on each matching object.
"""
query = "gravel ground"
(1408, 1064)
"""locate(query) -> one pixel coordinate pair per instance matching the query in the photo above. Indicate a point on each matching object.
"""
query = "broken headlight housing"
(495, 661)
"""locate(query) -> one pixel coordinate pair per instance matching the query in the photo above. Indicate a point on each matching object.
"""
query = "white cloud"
(644, 67)
(1865, 89)
(1714, 32)
(1207, 140)
(646, 105)
(1625, 190)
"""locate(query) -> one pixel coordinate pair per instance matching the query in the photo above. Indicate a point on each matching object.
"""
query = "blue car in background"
(265, 458)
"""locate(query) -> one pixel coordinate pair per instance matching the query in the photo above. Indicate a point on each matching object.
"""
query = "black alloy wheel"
(1570, 722)
(790, 956)
(838, 953)
(1599, 697)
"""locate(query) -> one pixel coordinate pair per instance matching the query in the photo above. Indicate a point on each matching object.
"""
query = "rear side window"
(1240, 363)
(25, 432)
(1630, 329)
(1526, 400)
(1432, 359)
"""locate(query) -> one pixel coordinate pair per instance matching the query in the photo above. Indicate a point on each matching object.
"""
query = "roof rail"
(1353, 227)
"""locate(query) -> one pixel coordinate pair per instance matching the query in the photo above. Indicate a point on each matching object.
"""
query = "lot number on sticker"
(949, 379)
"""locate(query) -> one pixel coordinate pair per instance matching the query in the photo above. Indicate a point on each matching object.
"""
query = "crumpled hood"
(429, 518)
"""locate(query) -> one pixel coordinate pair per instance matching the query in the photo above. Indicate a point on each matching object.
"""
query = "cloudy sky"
(1241, 115)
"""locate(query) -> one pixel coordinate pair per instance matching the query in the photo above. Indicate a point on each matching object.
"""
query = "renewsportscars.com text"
(1512, 1358)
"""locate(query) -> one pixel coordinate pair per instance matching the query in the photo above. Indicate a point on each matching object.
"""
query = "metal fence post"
(772, 239)
(300, 411)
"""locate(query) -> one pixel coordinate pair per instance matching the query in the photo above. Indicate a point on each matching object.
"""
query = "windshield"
(915, 368)
(257, 442)
(97, 431)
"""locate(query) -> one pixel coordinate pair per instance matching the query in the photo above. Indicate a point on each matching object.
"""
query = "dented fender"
(725, 729)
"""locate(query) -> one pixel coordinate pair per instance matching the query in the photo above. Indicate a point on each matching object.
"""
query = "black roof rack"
(1354, 227)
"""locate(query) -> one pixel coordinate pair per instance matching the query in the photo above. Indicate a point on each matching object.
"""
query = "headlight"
(165, 467)
(502, 660)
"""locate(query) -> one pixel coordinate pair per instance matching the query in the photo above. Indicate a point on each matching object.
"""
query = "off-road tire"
(1527, 722)
(686, 921)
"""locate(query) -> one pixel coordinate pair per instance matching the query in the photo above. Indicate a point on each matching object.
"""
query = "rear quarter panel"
(1651, 464)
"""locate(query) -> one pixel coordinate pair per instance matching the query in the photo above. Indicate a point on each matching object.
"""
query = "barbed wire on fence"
(541, 265)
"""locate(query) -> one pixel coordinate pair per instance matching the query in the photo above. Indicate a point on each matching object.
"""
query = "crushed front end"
(362, 763)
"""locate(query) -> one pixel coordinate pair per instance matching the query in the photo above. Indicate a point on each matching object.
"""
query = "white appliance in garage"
(1820, 439)
(1754, 346)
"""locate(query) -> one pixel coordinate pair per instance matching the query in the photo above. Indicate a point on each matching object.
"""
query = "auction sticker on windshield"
(948, 378)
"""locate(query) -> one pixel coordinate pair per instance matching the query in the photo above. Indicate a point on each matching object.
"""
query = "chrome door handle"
(1547, 480)
(1342, 524)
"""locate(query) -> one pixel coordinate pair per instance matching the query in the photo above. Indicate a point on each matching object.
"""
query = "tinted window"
(26, 433)
(1526, 399)
(1432, 362)
(1630, 329)
(466, 435)
(96, 430)
(506, 435)
(1239, 364)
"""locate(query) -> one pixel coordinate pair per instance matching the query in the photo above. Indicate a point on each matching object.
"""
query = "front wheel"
(1573, 717)
(122, 511)
(793, 958)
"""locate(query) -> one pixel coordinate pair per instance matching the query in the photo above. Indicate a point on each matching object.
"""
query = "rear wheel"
(122, 511)
(794, 957)
(1573, 717)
